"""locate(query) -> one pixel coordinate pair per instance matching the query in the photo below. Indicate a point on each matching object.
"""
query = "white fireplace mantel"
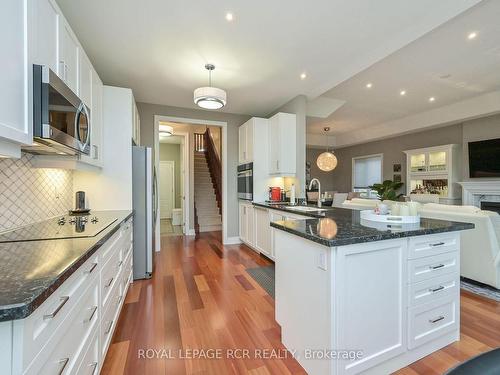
(473, 192)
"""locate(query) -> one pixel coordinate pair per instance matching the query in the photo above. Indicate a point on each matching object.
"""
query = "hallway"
(201, 297)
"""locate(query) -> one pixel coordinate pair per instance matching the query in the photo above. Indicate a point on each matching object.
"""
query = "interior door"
(167, 189)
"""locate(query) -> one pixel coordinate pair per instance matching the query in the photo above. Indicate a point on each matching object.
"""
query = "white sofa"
(480, 247)
(360, 204)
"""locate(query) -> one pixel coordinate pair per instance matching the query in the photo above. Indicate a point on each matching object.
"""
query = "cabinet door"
(241, 144)
(44, 18)
(243, 222)
(365, 275)
(14, 88)
(85, 80)
(96, 118)
(250, 224)
(68, 55)
(249, 142)
(274, 145)
(262, 231)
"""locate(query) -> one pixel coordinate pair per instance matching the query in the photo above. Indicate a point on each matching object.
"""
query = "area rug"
(480, 289)
(264, 277)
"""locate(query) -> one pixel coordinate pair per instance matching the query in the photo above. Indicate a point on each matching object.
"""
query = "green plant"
(388, 190)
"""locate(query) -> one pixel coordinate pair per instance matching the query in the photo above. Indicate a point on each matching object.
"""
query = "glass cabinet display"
(417, 163)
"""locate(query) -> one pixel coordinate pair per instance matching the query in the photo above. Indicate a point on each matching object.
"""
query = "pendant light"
(210, 97)
(326, 161)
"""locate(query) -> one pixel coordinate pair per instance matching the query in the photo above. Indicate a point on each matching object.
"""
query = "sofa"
(480, 247)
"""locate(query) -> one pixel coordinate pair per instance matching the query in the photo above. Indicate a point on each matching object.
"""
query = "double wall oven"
(245, 181)
(61, 121)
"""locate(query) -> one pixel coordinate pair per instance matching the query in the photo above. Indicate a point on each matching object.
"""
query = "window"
(366, 171)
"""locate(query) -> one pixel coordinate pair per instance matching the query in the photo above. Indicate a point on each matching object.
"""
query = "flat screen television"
(484, 159)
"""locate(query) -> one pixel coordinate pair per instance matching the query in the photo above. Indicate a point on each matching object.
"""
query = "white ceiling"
(159, 47)
(444, 64)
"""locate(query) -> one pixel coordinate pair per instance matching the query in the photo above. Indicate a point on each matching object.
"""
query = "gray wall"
(340, 179)
(298, 106)
(147, 113)
(172, 152)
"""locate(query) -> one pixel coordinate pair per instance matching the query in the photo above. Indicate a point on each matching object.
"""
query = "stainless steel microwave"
(61, 121)
(245, 181)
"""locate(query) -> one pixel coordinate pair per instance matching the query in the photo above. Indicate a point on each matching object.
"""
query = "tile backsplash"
(29, 194)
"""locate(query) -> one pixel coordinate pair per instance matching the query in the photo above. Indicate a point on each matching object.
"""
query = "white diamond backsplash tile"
(29, 194)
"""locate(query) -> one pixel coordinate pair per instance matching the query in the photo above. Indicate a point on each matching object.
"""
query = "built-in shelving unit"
(435, 170)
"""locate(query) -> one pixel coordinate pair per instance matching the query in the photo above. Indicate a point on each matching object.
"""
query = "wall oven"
(61, 121)
(245, 181)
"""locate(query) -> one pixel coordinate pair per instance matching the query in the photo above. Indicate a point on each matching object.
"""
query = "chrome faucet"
(319, 189)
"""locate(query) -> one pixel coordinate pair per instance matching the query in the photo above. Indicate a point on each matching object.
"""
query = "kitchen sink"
(305, 208)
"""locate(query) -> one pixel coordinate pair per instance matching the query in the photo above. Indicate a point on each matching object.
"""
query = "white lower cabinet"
(263, 241)
(71, 331)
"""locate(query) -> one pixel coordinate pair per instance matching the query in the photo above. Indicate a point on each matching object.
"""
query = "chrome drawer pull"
(94, 367)
(53, 314)
(109, 282)
(120, 299)
(436, 267)
(64, 363)
(109, 328)
(120, 263)
(436, 320)
(437, 244)
(94, 265)
(94, 309)
(436, 289)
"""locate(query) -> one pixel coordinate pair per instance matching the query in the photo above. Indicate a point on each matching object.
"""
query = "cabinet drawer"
(43, 324)
(432, 320)
(109, 277)
(110, 316)
(433, 244)
(65, 353)
(429, 267)
(89, 364)
(111, 246)
(433, 289)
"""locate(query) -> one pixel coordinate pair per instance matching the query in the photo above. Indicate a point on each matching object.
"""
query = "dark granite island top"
(340, 226)
(30, 271)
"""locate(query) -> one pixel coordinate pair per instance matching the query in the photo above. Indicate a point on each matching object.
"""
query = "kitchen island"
(354, 297)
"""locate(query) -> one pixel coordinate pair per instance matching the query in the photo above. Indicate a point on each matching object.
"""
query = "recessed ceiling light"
(472, 35)
(303, 76)
(369, 85)
(402, 92)
(229, 16)
(432, 99)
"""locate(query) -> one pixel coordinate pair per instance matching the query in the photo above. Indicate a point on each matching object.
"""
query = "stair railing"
(214, 166)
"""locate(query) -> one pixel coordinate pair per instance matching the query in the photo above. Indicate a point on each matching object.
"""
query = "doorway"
(170, 185)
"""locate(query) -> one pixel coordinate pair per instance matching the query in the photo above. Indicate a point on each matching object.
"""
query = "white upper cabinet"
(282, 144)
(68, 55)
(246, 142)
(44, 19)
(14, 88)
(96, 118)
(136, 130)
(85, 79)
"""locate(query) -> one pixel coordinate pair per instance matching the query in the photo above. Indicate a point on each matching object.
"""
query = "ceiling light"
(402, 92)
(369, 85)
(210, 97)
(432, 99)
(326, 161)
(166, 131)
(229, 17)
(303, 76)
(472, 35)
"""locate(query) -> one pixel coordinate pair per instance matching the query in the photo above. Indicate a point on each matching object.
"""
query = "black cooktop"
(61, 227)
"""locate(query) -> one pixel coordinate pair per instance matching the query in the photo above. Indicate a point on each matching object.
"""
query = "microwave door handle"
(82, 109)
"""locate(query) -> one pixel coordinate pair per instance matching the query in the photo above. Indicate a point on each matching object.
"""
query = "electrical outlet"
(57, 193)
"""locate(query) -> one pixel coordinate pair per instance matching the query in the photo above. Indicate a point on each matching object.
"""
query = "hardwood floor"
(201, 297)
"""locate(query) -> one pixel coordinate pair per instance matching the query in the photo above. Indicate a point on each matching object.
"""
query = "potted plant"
(388, 190)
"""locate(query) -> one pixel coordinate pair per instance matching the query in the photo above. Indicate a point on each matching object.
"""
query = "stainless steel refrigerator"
(145, 207)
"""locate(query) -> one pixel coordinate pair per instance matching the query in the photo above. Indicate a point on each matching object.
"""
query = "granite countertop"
(30, 271)
(341, 226)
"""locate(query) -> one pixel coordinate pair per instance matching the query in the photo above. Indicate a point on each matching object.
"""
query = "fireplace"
(490, 206)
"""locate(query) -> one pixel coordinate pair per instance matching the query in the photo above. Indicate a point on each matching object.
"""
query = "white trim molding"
(473, 192)
(232, 241)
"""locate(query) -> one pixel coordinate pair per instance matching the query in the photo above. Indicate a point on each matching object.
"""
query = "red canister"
(275, 193)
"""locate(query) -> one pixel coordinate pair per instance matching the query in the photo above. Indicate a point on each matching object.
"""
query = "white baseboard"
(232, 240)
(191, 232)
